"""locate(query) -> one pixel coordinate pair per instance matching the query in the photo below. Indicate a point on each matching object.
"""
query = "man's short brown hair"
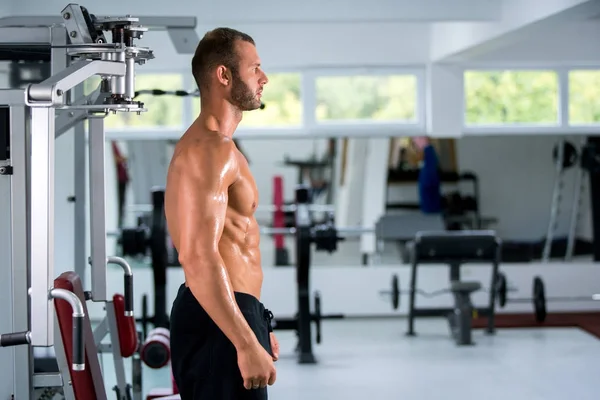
(217, 47)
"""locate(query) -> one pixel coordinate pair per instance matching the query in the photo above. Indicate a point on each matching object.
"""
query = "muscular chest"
(243, 195)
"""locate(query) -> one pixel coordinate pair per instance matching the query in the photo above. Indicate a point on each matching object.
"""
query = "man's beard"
(241, 95)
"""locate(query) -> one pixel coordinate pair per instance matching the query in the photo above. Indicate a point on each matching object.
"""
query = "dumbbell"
(156, 349)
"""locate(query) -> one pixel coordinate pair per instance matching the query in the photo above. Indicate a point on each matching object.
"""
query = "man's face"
(248, 81)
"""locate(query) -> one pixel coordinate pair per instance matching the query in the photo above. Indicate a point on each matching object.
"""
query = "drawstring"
(268, 315)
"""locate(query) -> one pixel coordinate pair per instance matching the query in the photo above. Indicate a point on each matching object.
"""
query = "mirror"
(485, 183)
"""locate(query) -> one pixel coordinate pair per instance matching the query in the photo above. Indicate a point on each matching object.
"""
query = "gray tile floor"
(372, 359)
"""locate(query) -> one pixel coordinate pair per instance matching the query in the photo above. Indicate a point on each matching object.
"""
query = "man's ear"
(223, 75)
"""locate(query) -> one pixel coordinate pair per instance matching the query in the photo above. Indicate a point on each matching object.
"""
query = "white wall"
(559, 44)
(311, 45)
(518, 18)
(281, 45)
(516, 176)
(6, 8)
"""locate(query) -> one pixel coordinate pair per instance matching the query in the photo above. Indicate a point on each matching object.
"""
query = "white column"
(374, 188)
(351, 177)
(445, 101)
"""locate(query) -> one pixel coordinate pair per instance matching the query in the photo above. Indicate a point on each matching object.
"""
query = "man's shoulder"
(209, 154)
(206, 144)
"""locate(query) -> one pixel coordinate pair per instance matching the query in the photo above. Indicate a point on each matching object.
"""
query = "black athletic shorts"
(203, 359)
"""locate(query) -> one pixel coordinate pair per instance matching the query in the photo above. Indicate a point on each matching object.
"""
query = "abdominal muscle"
(239, 249)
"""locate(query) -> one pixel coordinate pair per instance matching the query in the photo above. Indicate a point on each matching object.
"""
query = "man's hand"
(256, 366)
(274, 346)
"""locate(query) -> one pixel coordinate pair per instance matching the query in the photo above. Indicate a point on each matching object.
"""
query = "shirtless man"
(222, 347)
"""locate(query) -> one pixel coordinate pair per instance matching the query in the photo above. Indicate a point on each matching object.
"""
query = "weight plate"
(539, 299)
(570, 154)
(501, 289)
(158, 238)
(133, 241)
(395, 292)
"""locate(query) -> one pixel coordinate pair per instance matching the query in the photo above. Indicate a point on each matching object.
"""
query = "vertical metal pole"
(80, 194)
(594, 177)
(42, 225)
(9, 290)
(414, 263)
(97, 208)
(578, 188)
(303, 242)
(20, 239)
(556, 200)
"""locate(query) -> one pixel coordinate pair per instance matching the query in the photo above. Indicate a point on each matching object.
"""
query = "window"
(362, 97)
(584, 97)
(282, 100)
(163, 111)
(511, 97)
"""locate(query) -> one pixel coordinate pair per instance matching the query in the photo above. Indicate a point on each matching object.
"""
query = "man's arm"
(201, 207)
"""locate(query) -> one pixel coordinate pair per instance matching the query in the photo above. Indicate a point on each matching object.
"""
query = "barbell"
(394, 292)
(293, 208)
(538, 299)
(317, 316)
(325, 236)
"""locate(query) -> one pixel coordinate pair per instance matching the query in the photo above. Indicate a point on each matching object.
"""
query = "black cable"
(178, 93)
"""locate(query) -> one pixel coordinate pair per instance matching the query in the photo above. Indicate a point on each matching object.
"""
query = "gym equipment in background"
(178, 93)
(565, 156)
(282, 257)
(325, 236)
(538, 298)
(316, 316)
(455, 248)
(151, 237)
(39, 108)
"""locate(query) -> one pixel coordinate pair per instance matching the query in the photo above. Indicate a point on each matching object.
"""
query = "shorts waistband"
(245, 301)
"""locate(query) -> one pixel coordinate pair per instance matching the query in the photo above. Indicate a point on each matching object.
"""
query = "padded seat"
(87, 384)
(464, 287)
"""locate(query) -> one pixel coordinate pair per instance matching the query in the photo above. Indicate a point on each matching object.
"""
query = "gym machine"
(151, 237)
(325, 235)
(42, 307)
(455, 248)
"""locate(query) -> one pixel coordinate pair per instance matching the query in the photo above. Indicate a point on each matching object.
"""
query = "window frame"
(377, 127)
(309, 127)
(566, 72)
(563, 124)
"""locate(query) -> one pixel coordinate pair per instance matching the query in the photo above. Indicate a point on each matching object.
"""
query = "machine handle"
(78, 321)
(128, 283)
(15, 339)
(78, 343)
(128, 295)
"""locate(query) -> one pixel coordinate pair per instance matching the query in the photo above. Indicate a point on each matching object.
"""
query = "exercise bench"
(455, 248)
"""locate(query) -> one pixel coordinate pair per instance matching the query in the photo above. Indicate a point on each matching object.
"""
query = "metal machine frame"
(30, 120)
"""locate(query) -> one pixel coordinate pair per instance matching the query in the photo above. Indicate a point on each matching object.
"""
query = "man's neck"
(220, 117)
